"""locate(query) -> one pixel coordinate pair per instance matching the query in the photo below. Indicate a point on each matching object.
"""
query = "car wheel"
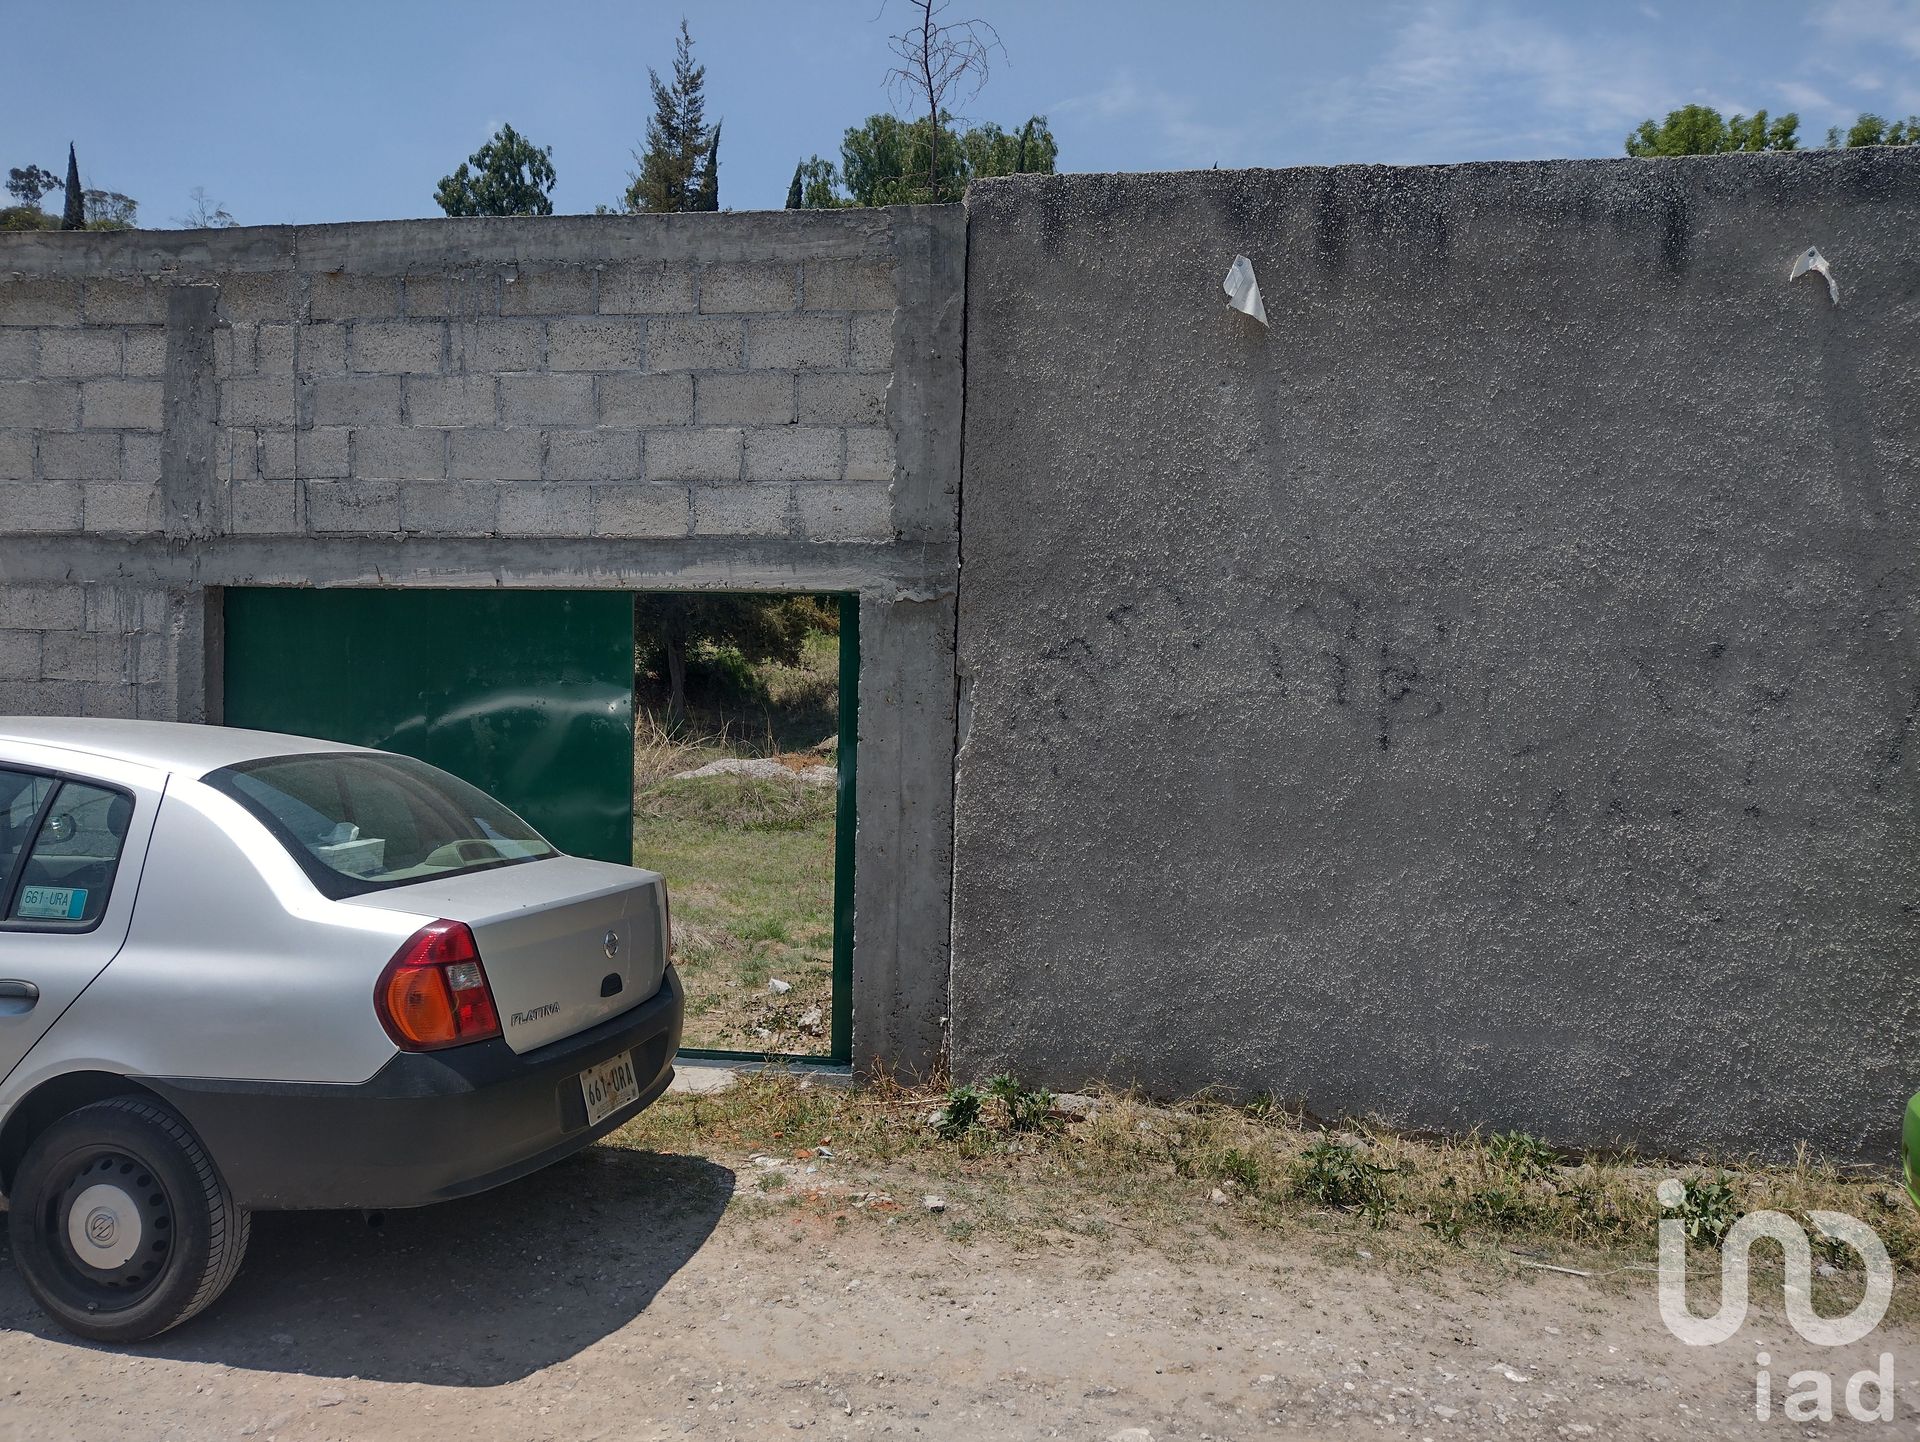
(120, 1223)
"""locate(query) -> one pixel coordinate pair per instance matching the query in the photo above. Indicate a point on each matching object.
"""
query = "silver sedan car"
(240, 970)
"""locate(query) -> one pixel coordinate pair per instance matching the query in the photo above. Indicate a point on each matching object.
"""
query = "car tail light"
(434, 992)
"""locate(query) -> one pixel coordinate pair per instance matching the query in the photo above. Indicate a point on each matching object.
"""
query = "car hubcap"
(118, 1228)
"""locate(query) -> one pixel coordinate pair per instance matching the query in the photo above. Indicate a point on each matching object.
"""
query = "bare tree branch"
(941, 61)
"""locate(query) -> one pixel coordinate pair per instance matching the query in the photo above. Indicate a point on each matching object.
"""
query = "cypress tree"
(707, 194)
(676, 137)
(793, 191)
(75, 215)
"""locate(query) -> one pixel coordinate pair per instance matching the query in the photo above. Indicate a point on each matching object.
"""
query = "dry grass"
(1198, 1174)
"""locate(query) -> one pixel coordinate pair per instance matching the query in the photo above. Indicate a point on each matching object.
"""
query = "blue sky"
(352, 109)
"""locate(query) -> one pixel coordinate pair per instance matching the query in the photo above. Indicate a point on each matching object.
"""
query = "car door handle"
(17, 997)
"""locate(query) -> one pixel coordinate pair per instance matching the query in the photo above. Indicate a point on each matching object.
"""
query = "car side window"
(63, 881)
(21, 796)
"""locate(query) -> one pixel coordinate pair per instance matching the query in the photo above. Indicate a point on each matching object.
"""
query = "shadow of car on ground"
(476, 1292)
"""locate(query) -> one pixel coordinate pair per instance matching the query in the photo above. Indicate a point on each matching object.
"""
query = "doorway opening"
(745, 738)
(562, 704)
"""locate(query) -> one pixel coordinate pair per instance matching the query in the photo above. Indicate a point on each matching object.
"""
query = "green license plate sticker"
(52, 903)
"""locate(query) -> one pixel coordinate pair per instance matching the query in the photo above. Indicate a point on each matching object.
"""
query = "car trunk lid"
(566, 942)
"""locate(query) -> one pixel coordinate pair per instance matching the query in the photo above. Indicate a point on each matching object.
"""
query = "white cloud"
(1876, 23)
(1180, 139)
(1804, 97)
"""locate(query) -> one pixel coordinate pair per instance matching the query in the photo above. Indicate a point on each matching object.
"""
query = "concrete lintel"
(702, 563)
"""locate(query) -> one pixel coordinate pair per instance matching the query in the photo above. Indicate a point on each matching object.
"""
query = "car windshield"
(359, 822)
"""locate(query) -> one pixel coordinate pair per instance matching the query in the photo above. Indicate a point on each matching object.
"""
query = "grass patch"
(1158, 1173)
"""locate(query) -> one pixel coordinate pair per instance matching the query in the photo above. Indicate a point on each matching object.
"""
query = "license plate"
(609, 1086)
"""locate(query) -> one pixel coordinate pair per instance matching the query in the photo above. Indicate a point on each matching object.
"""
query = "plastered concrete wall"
(737, 402)
(1487, 696)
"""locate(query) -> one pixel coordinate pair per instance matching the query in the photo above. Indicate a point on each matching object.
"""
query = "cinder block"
(642, 287)
(120, 508)
(595, 343)
(845, 512)
(593, 455)
(239, 458)
(543, 400)
(322, 349)
(38, 507)
(233, 351)
(566, 291)
(630, 400)
(399, 453)
(20, 655)
(849, 285)
(641, 510)
(340, 296)
(264, 508)
(40, 405)
(135, 405)
(39, 300)
(249, 401)
(77, 655)
(793, 453)
(755, 286)
(42, 608)
(450, 508)
(490, 347)
(80, 352)
(140, 458)
(450, 400)
(350, 401)
(841, 399)
(870, 454)
(693, 455)
(80, 456)
(744, 400)
(19, 353)
(16, 454)
(872, 342)
(273, 347)
(256, 295)
(125, 302)
(494, 455)
(146, 351)
(460, 293)
(396, 347)
(127, 608)
(42, 698)
(546, 510)
(321, 453)
(693, 343)
(277, 455)
(797, 342)
(357, 507)
(758, 509)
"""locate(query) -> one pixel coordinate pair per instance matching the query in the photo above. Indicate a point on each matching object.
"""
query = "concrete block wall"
(752, 402)
(403, 387)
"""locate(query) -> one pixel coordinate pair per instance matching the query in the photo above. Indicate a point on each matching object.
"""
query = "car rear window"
(358, 822)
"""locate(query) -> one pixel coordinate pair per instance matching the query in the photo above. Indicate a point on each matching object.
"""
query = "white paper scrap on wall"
(1811, 259)
(1243, 291)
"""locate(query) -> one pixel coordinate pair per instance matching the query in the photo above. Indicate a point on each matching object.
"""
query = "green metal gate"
(527, 694)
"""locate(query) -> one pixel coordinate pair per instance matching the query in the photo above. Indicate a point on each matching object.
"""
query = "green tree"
(1869, 129)
(509, 175)
(706, 195)
(1702, 130)
(670, 176)
(884, 160)
(816, 186)
(74, 215)
(26, 184)
(109, 210)
(667, 626)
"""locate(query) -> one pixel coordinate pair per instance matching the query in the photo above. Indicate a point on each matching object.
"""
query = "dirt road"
(617, 1296)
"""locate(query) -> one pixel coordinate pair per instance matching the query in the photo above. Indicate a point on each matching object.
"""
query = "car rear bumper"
(429, 1126)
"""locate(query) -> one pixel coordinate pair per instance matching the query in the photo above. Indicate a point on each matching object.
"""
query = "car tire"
(121, 1224)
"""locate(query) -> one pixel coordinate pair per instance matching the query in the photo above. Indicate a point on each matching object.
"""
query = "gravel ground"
(631, 1296)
